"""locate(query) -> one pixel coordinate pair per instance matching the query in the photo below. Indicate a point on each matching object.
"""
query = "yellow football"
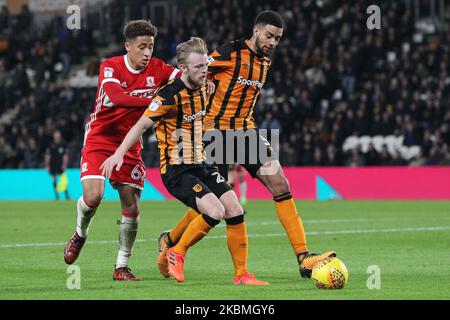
(330, 273)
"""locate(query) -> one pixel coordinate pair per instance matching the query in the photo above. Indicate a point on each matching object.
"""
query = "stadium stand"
(340, 94)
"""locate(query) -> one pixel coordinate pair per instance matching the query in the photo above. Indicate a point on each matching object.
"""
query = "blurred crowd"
(331, 78)
(35, 98)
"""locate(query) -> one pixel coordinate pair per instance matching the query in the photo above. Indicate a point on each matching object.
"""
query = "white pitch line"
(262, 235)
(222, 225)
(355, 231)
(318, 221)
(57, 244)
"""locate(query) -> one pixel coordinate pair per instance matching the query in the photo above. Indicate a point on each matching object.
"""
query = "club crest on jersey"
(197, 188)
(150, 81)
(155, 105)
(108, 72)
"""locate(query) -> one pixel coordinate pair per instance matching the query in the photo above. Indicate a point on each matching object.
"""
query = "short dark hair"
(269, 17)
(137, 28)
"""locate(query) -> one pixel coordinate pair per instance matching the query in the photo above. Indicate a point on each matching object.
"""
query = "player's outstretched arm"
(116, 160)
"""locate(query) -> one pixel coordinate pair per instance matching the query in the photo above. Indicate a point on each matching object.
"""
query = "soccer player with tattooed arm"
(239, 71)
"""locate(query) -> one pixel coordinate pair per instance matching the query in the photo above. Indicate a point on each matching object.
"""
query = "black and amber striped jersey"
(239, 74)
(178, 113)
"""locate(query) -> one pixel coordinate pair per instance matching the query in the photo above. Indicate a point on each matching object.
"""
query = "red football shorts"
(131, 173)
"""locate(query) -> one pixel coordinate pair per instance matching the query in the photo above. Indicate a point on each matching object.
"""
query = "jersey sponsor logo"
(191, 118)
(219, 178)
(141, 93)
(155, 105)
(108, 72)
(247, 82)
(197, 188)
(150, 81)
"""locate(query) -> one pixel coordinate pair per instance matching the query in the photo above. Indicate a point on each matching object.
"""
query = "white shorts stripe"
(93, 177)
(117, 184)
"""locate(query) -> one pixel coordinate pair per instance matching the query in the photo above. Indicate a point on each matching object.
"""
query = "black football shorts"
(189, 182)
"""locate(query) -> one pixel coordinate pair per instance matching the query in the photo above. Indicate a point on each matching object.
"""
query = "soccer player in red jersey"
(126, 86)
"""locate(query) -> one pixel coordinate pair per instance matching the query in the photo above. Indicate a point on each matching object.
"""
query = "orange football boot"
(176, 265)
(161, 260)
(307, 261)
(248, 279)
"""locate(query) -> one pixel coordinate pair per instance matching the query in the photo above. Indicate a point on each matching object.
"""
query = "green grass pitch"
(409, 241)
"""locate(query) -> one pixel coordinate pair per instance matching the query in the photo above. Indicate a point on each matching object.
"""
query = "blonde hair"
(195, 44)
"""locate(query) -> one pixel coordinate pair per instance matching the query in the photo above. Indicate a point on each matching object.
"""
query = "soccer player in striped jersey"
(178, 111)
(239, 71)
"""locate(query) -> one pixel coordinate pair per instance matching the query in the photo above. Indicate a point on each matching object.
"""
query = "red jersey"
(112, 116)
